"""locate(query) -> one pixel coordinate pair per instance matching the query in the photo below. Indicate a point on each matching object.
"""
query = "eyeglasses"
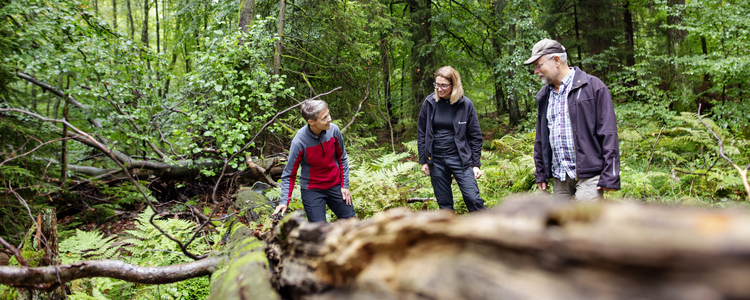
(441, 86)
(539, 66)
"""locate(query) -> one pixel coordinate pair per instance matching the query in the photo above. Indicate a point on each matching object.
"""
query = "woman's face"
(443, 87)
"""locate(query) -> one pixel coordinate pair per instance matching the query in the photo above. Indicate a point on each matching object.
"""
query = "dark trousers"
(440, 174)
(315, 202)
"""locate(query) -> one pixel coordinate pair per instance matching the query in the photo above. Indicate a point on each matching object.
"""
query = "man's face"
(544, 67)
(443, 87)
(323, 122)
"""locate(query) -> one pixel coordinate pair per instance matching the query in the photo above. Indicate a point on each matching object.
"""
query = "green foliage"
(87, 245)
(145, 246)
(377, 185)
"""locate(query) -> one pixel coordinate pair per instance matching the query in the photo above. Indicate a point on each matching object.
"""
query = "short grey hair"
(563, 57)
(312, 108)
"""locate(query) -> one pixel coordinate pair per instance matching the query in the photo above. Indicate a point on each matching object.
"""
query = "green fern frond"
(88, 245)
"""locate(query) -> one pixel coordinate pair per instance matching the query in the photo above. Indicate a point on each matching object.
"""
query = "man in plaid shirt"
(576, 145)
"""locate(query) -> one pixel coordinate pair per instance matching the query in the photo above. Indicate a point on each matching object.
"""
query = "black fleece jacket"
(468, 135)
(594, 124)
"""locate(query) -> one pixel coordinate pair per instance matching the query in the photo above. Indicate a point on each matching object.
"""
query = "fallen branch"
(31, 277)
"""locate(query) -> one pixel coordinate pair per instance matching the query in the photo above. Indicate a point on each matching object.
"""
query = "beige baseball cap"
(545, 46)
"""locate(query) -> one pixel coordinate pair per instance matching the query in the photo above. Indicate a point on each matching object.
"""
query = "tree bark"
(514, 111)
(156, 15)
(530, 247)
(629, 46)
(36, 276)
(280, 41)
(144, 30)
(114, 15)
(500, 96)
(421, 60)
(247, 9)
(247, 275)
(130, 20)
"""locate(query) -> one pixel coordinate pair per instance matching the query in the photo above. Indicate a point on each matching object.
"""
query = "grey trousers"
(581, 189)
(440, 174)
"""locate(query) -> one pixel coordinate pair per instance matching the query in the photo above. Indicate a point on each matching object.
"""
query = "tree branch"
(32, 277)
(367, 93)
(743, 172)
(52, 89)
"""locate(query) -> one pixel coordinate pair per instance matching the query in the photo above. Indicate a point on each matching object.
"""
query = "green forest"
(124, 114)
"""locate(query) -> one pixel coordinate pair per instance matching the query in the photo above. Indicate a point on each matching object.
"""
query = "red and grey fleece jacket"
(323, 160)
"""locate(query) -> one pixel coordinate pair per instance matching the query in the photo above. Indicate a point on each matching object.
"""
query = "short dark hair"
(312, 108)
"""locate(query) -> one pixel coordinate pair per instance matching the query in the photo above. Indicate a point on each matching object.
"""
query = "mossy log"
(530, 247)
(246, 273)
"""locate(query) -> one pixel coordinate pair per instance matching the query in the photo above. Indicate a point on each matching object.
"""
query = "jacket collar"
(580, 78)
(309, 131)
(431, 99)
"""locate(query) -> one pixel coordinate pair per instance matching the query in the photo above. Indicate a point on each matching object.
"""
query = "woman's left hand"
(477, 172)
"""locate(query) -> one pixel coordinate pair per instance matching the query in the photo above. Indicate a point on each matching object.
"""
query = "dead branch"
(31, 277)
(653, 149)
(35, 148)
(743, 172)
(15, 252)
(367, 93)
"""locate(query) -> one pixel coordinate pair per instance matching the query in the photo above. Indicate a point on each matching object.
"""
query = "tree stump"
(530, 247)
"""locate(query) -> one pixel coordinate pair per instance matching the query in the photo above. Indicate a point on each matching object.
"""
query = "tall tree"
(114, 15)
(280, 36)
(421, 61)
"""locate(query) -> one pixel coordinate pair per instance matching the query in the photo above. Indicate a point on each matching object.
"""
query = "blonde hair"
(454, 78)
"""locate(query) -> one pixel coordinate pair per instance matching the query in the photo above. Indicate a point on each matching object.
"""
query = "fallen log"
(530, 247)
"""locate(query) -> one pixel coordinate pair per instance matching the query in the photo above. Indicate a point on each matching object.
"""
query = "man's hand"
(542, 186)
(477, 172)
(426, 169)
(280, 209)
(347, 195)
(605, 189)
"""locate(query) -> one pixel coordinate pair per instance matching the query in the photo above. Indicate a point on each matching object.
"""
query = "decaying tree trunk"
(246, 274)
(528, 248)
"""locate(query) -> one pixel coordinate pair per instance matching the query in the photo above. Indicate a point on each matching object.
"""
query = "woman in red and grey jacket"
(318, 148)
(450, 141)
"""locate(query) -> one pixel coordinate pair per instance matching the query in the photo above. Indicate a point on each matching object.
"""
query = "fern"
(87, 245)
(376, 185)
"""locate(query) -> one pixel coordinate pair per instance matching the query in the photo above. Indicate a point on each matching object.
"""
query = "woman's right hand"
(426, 169)
(280, 209)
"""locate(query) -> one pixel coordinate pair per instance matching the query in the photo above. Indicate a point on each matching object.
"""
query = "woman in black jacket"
(450, 141)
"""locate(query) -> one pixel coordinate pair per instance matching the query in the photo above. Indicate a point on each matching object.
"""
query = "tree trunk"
(386, 73)
(247, 9)
(500, 97)
(64, 152)
(156, 14)
(629, 46)
(514, 112)
(247, 276)
(421, 60)
(144, 30)
(530, 247)
(280, 41)
(130, 20)
(114, 15)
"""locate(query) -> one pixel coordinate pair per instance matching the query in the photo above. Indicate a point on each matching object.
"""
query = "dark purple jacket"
(592, 116)
(468, 136)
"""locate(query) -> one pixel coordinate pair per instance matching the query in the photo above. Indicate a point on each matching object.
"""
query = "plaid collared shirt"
(560, 130)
